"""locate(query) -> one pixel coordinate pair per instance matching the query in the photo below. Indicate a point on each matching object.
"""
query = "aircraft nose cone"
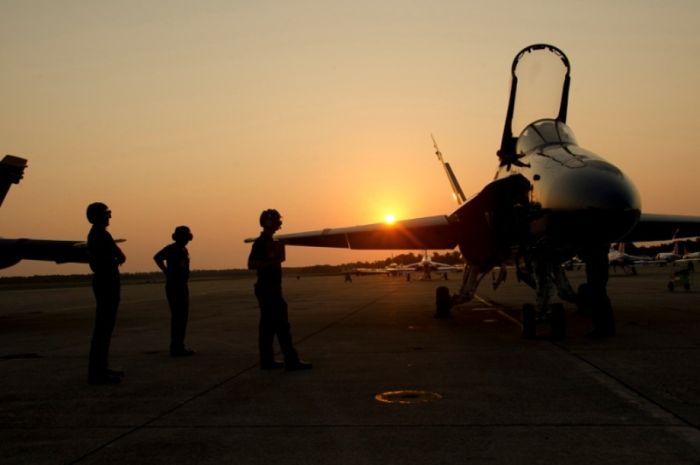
(599, 202)
(599, 186)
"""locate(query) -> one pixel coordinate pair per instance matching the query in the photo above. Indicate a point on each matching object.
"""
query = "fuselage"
(668, 256)
(576, 198)
(554, 196)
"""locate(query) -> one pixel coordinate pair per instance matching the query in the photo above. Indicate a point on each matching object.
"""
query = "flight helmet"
(97, 211)
(182, 232)
(270, 215)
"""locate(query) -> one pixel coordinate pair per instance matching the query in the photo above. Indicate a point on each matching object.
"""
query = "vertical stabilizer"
(457, 192)
(11, 172)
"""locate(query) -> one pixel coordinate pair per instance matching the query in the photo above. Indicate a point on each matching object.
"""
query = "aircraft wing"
(433, 232)
(13, 251)
(655, 227)
(370, 271)
(407, 268)
(449, 268)
(433, 267)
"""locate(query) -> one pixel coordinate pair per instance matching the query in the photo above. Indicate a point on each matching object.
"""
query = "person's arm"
(117, 253)
(121, 258)
(159, 258)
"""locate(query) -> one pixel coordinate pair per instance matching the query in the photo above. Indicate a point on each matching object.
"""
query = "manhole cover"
(407, 396)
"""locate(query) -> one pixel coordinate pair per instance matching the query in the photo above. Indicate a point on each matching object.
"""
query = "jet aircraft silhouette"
(550, 201)
(426, 266)
(618, 257)
(12, 251)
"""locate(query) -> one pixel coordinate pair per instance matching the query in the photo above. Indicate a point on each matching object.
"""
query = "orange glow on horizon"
(209, 113)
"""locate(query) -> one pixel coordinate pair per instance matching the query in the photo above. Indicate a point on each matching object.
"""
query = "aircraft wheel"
(558, 322)
(670, 286)
(529, 325)
(443, 302)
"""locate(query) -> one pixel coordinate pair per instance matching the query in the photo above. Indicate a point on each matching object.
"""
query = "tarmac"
(464, 390)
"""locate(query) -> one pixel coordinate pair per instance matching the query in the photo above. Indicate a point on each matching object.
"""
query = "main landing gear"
(443, 302)
(470, 281)
(556, 319)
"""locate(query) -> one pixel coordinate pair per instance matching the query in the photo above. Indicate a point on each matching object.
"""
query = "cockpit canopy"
(542, 133)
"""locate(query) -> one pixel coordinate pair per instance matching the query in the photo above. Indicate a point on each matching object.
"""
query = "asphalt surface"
(471, 389)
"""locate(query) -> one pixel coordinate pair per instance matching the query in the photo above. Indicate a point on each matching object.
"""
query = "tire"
(443, 302)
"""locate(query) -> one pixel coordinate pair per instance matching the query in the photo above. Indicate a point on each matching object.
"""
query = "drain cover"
(407, 396)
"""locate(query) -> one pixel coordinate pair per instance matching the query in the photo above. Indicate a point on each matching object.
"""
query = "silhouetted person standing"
(266, 258)
(105, 258)
(174, 260)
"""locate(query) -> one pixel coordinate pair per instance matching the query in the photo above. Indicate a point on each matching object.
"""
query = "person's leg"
(266, 328)
(178, 300)
(107, 302)
(284, 332)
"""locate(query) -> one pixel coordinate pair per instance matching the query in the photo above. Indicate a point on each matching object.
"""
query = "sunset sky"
(204, 113)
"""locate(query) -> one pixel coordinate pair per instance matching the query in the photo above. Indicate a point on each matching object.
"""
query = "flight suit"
(273, 307)
(104, 262)
(177, 274)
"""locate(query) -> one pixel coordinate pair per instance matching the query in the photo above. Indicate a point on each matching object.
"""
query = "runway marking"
(681, 427)
(687, 431)
(499, 310)
(512, 319)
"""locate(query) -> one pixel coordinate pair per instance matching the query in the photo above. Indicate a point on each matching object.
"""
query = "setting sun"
(390, 219)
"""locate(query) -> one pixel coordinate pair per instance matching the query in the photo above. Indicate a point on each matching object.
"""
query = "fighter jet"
(12, 251)
(550, 200)
(618, 257)
(426, 266)
(668, 257)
